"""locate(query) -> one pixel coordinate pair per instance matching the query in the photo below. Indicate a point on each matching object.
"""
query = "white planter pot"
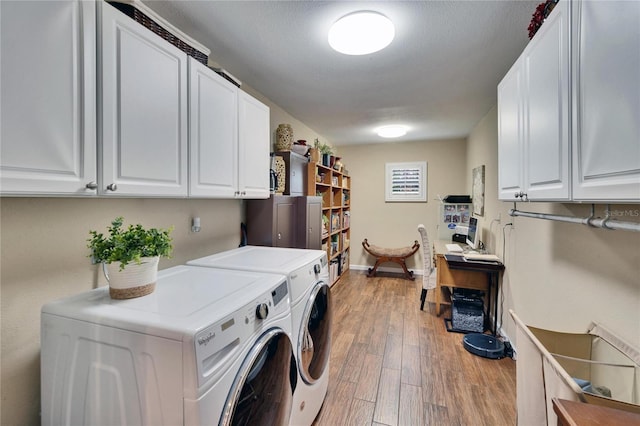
(134, 280)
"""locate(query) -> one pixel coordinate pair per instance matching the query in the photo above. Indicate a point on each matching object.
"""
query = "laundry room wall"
(396, 224)
(43, 256)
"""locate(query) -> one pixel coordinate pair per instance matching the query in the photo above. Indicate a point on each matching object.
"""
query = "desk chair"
(429, 274)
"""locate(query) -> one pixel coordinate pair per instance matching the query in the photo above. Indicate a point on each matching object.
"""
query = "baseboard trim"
(385, 269)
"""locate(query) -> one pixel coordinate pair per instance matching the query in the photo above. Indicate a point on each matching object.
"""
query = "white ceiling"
(438, 76)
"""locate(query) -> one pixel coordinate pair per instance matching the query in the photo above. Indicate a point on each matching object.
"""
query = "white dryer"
(208, 346)
(311, 313)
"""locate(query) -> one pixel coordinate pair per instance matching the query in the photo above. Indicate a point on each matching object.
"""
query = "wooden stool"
(397, 255)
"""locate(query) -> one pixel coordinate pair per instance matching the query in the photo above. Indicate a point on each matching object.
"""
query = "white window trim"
(418, 194)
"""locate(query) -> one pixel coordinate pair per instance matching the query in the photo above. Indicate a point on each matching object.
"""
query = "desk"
(466, 274)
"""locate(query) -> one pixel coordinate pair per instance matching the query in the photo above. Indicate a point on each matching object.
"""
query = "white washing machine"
(208, 346)
(311, 313)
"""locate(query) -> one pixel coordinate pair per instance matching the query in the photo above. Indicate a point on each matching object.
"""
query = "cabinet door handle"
(91, 185)
(112, 187)
(279, 236)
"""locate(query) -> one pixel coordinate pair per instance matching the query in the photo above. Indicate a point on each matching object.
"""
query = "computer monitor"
(473, 236)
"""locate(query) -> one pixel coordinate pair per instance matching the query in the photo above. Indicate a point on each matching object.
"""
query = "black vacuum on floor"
(484, 345)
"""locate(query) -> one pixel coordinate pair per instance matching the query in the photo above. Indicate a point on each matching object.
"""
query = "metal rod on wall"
(597, 222)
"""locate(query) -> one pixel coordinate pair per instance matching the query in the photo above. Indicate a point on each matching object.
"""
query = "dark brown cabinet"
(284, 221)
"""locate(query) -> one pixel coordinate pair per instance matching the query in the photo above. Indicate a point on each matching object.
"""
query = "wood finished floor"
(392, 364)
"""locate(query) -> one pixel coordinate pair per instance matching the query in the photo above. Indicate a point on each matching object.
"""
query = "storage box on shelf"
(334, 187)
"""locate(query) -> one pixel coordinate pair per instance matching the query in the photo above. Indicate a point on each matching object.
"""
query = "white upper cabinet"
(580, 107)
(213, 138)
(229, 138)
(547, 125)
(253, 147)
(48, 98)
(511, 133)
(143, 142)
(533, 117)
(606, 87)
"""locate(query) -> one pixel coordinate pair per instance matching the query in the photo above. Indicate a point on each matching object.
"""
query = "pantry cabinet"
(48, 98)
(568, 109)
(533, 117)
(143, 117)
(606, 158)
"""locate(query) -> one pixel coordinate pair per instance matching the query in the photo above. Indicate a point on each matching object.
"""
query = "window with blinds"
(406, 182)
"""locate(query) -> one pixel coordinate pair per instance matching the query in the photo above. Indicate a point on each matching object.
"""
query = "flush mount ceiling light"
(393, 131)
(361, 33)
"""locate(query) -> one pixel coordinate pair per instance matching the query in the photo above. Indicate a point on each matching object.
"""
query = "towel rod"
(597, 222)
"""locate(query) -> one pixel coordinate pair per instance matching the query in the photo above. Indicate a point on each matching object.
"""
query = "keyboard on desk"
(483, 257)
(454, 248)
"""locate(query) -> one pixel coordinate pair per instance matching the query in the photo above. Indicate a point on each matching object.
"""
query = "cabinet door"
(285, 219)
(606, 158)
(510, 133)
(48, 99)
(309, 222)
(213, 136)
(253, 146)
(144, 110)
(547, 121)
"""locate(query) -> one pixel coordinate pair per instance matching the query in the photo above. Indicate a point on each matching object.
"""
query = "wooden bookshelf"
(334, 187)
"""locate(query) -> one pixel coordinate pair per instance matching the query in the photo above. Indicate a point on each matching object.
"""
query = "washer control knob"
(316, 268)
(262, 310)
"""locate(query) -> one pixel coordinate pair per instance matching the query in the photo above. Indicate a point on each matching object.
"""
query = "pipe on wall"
(596, 222)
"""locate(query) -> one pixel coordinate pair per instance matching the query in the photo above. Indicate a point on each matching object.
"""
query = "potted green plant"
(130, 257)
(325, 151)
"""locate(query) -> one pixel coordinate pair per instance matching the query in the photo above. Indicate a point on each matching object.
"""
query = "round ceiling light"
(393, 131)
(361, 33)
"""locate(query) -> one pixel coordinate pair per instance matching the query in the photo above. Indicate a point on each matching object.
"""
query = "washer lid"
(257, 258)
(186, 299)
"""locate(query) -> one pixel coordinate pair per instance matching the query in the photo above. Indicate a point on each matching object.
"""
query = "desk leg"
(489, 282)
(495, 279)
(438, 291)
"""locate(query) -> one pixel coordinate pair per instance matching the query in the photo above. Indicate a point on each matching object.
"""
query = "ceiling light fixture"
(392, 131)
(361, 33)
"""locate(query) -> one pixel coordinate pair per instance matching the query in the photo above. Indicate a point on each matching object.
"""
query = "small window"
(406, 182)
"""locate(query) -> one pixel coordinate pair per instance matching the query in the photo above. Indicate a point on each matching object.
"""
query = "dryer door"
(262, 391)
(314, 345)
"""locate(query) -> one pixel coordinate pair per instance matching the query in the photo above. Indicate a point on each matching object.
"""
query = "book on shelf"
(335, 221)
(346, 219)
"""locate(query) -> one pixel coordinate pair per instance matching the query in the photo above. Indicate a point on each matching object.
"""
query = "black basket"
(149, 23)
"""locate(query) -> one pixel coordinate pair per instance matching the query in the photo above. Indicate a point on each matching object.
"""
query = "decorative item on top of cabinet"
(143, 15)
(334, 188)
(540, 15)
(284, 137)
(281, 174)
